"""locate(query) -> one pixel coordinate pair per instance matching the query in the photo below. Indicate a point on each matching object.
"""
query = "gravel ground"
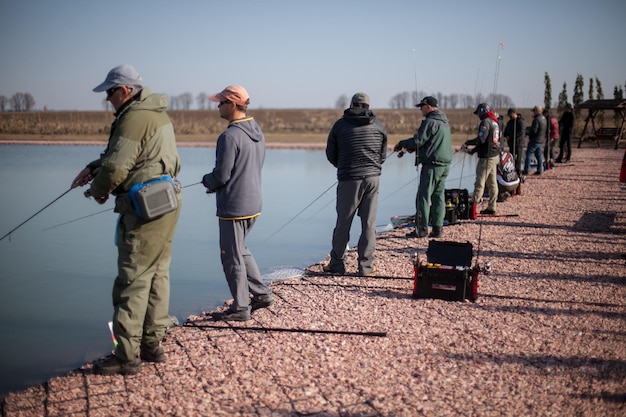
(546, 337)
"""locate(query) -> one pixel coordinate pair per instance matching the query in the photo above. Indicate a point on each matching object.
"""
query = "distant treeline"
(208, 122)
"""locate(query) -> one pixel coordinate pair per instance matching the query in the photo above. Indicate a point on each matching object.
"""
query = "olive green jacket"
(142, 146)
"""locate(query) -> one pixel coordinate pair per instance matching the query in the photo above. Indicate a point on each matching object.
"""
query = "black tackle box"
(448, 273)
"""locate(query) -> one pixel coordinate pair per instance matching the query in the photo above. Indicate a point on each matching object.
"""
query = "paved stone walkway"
(547, 335)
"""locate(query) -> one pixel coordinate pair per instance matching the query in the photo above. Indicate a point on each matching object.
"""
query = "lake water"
(57, 269)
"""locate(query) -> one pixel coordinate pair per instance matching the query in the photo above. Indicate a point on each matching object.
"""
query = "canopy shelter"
(603, 133)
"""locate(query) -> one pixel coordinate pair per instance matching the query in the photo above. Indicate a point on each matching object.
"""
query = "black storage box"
(458, 205)
(448, 274)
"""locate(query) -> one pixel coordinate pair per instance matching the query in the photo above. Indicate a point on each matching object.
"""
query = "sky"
(297, 54)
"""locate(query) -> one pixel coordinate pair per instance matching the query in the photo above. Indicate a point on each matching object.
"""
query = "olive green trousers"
(141, 293)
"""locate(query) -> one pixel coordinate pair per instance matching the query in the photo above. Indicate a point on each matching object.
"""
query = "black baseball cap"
(431, 101)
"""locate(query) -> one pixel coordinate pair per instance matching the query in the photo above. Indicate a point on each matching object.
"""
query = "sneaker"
(327, 268)
(113, 365)
(504, 196)
(487, 211)
(371, 273)
(416, 234)
(230, 315)
(537, 173)
(262, 301)
(152, 352)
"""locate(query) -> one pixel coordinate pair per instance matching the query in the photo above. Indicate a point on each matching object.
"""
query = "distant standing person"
(514, 133)
(433, 146)
(141, 148)
(536, 138)
(357, 147)
(236, 182)
(552, 135)
(487, 144)
(566, 125)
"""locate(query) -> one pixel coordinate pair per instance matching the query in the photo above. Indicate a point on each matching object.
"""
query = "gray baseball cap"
(120, 75)
(361, 98)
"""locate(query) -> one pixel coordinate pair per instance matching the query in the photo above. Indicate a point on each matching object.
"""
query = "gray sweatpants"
(242, 273)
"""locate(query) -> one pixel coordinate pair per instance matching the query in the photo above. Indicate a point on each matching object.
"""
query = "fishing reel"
(486, 269)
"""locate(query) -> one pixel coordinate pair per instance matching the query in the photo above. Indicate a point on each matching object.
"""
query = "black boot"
(436, 232)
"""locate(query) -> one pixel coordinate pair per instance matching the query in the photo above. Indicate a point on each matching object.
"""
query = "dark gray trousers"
(356, 197)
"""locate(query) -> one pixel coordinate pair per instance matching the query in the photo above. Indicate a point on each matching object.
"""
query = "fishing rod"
(496, 76)
(285, 329)
(27, 220)
(99, 212)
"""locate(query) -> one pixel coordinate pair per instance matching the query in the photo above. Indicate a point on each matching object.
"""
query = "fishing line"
(99, 212)
(75, 220)
(312, 202)
(25, 221)
(399, 188)
(301, 211)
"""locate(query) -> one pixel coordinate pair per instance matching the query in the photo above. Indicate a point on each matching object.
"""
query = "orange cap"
(235, 93)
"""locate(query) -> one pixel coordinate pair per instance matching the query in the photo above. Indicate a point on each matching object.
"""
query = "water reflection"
(56, 296)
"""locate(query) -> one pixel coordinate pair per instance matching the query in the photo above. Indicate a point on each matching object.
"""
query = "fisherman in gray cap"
(141, 150)
(357, 147)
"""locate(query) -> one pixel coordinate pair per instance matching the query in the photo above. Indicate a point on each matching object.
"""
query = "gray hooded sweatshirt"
(236, 178)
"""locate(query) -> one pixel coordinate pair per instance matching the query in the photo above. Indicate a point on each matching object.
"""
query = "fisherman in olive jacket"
(141, 148)
(433, 144)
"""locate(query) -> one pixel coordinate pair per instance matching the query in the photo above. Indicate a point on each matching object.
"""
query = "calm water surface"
(57, 276)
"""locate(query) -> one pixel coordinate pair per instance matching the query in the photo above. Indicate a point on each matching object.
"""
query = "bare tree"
(342, 102)
(467, 100)
(394, 102)
(453, 100)
(185, 100)
(17, 102)
(479, 98)
(29, 102)
(4, 102)
(202, 99)
(499, 101)
(173, 100)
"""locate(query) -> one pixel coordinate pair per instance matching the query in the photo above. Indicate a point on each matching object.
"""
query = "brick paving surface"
(545, 337)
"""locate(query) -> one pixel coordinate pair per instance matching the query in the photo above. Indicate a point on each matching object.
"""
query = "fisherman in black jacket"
(356, 146)
(514, 133)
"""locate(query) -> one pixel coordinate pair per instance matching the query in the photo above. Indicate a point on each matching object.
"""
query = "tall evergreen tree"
(618, 94)
(600, 96)
(591, 89)
(578, 94)
(562, 99)
(547, 95)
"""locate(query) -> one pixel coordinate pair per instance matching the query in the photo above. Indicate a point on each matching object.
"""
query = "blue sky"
(295, 54)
